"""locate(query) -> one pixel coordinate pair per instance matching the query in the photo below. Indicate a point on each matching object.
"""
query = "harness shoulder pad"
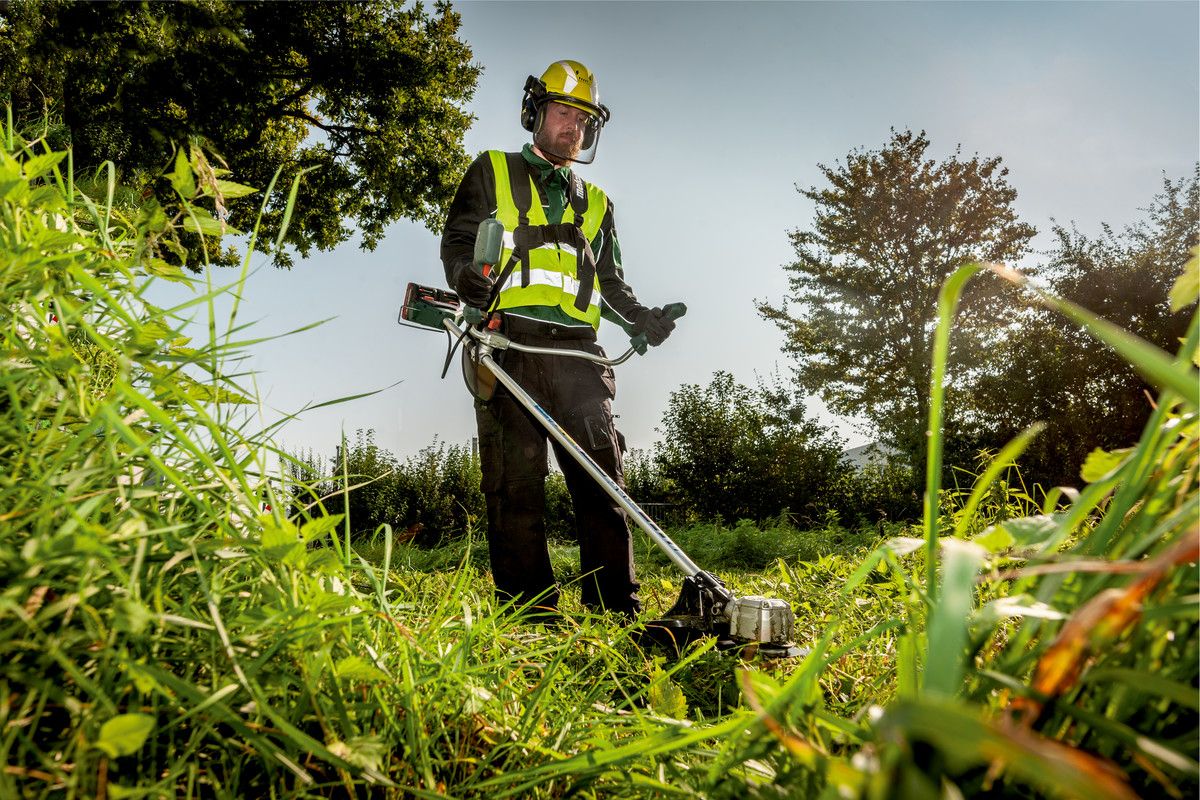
(518, 181)
(578, 198)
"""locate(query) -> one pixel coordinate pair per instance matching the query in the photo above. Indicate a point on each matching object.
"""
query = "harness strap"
(585, 260)
(528, 237)
(518, 181)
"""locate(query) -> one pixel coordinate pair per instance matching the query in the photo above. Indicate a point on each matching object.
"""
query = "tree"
(860, 313)
(732, 452)
(1047, 369)
(368, 96)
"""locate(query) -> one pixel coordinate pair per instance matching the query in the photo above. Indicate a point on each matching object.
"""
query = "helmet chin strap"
(553, 157)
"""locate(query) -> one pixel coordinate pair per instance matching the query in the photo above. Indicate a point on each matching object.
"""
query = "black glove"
(651, 322)
(473, 289)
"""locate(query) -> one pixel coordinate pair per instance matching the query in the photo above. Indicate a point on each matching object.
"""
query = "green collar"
(545, 168)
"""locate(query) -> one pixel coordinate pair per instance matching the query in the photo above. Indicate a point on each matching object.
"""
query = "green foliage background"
(365, 98)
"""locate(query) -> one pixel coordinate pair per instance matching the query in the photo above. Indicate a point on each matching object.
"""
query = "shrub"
(729, 452)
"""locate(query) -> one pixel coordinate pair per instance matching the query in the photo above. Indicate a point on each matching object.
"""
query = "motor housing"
(761, 619)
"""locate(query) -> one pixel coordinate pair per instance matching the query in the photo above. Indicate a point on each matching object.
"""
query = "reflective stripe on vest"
(553, 276)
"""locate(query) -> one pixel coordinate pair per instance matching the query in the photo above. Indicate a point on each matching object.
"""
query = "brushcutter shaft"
(610, 486)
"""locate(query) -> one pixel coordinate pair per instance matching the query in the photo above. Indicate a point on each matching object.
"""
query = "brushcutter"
(706, 607)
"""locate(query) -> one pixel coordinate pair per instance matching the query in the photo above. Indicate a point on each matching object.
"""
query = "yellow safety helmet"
(572, 84)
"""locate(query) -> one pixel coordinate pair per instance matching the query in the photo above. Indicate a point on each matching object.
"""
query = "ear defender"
(535, 93)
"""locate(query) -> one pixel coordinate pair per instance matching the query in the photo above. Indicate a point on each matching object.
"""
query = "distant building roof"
(871, 453)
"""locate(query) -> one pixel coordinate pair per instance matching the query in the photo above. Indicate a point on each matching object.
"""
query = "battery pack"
(428, 306)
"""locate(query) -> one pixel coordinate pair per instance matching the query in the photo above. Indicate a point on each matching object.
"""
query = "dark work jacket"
(475, 201)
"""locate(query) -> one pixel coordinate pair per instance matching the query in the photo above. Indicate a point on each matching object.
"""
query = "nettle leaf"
(316, 528)
(366, 752)
(152, 217)
(323, 561)
(665, 696)
(1099, 463)
(132, 616)
(281, 541)
(148, 334)
(207, 393)
(124, 734)
(37, 166)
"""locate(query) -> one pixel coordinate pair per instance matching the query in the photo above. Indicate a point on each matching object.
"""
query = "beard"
(566, 147)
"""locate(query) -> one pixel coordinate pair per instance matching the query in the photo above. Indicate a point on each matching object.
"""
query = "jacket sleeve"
(473, 202)
(616, 294)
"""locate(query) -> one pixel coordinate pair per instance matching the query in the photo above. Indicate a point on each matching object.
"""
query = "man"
(559, 271)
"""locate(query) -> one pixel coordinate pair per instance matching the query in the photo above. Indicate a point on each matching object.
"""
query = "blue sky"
(718, 111)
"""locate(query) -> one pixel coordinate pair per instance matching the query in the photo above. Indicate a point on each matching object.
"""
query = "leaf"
(1031, 531)
(164, 269)
(131, 616)
(357, 668)
(316, 528)
(903, 545)
(146, 336)
(1186, 289)
(365, 752)
(230, 190)
(995, 539)
(37, 166)
(665, 696)
(1021, 605)
(1100, 463)
(182, 178)
(948, 620)
(124, 734)
(958, 733)
(200, 221)
(281, 542)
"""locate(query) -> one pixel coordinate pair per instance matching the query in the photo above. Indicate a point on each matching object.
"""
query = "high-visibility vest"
(546, 270)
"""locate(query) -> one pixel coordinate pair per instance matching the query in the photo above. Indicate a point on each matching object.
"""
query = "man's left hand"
(654, 324)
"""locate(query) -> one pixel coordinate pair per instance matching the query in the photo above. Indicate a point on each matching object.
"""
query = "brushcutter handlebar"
(498, 341)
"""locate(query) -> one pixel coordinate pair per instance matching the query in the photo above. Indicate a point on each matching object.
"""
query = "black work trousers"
(578, 394)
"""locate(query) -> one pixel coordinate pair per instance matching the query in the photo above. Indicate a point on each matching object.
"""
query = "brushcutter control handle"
(671, 311)
(489, 246)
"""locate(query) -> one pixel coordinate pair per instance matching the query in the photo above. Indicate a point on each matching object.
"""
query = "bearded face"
(560, 136)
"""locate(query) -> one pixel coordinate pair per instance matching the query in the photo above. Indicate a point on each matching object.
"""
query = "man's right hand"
(474, 289)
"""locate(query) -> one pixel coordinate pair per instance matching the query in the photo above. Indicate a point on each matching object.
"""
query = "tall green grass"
(160, 638)
(1050, 654)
